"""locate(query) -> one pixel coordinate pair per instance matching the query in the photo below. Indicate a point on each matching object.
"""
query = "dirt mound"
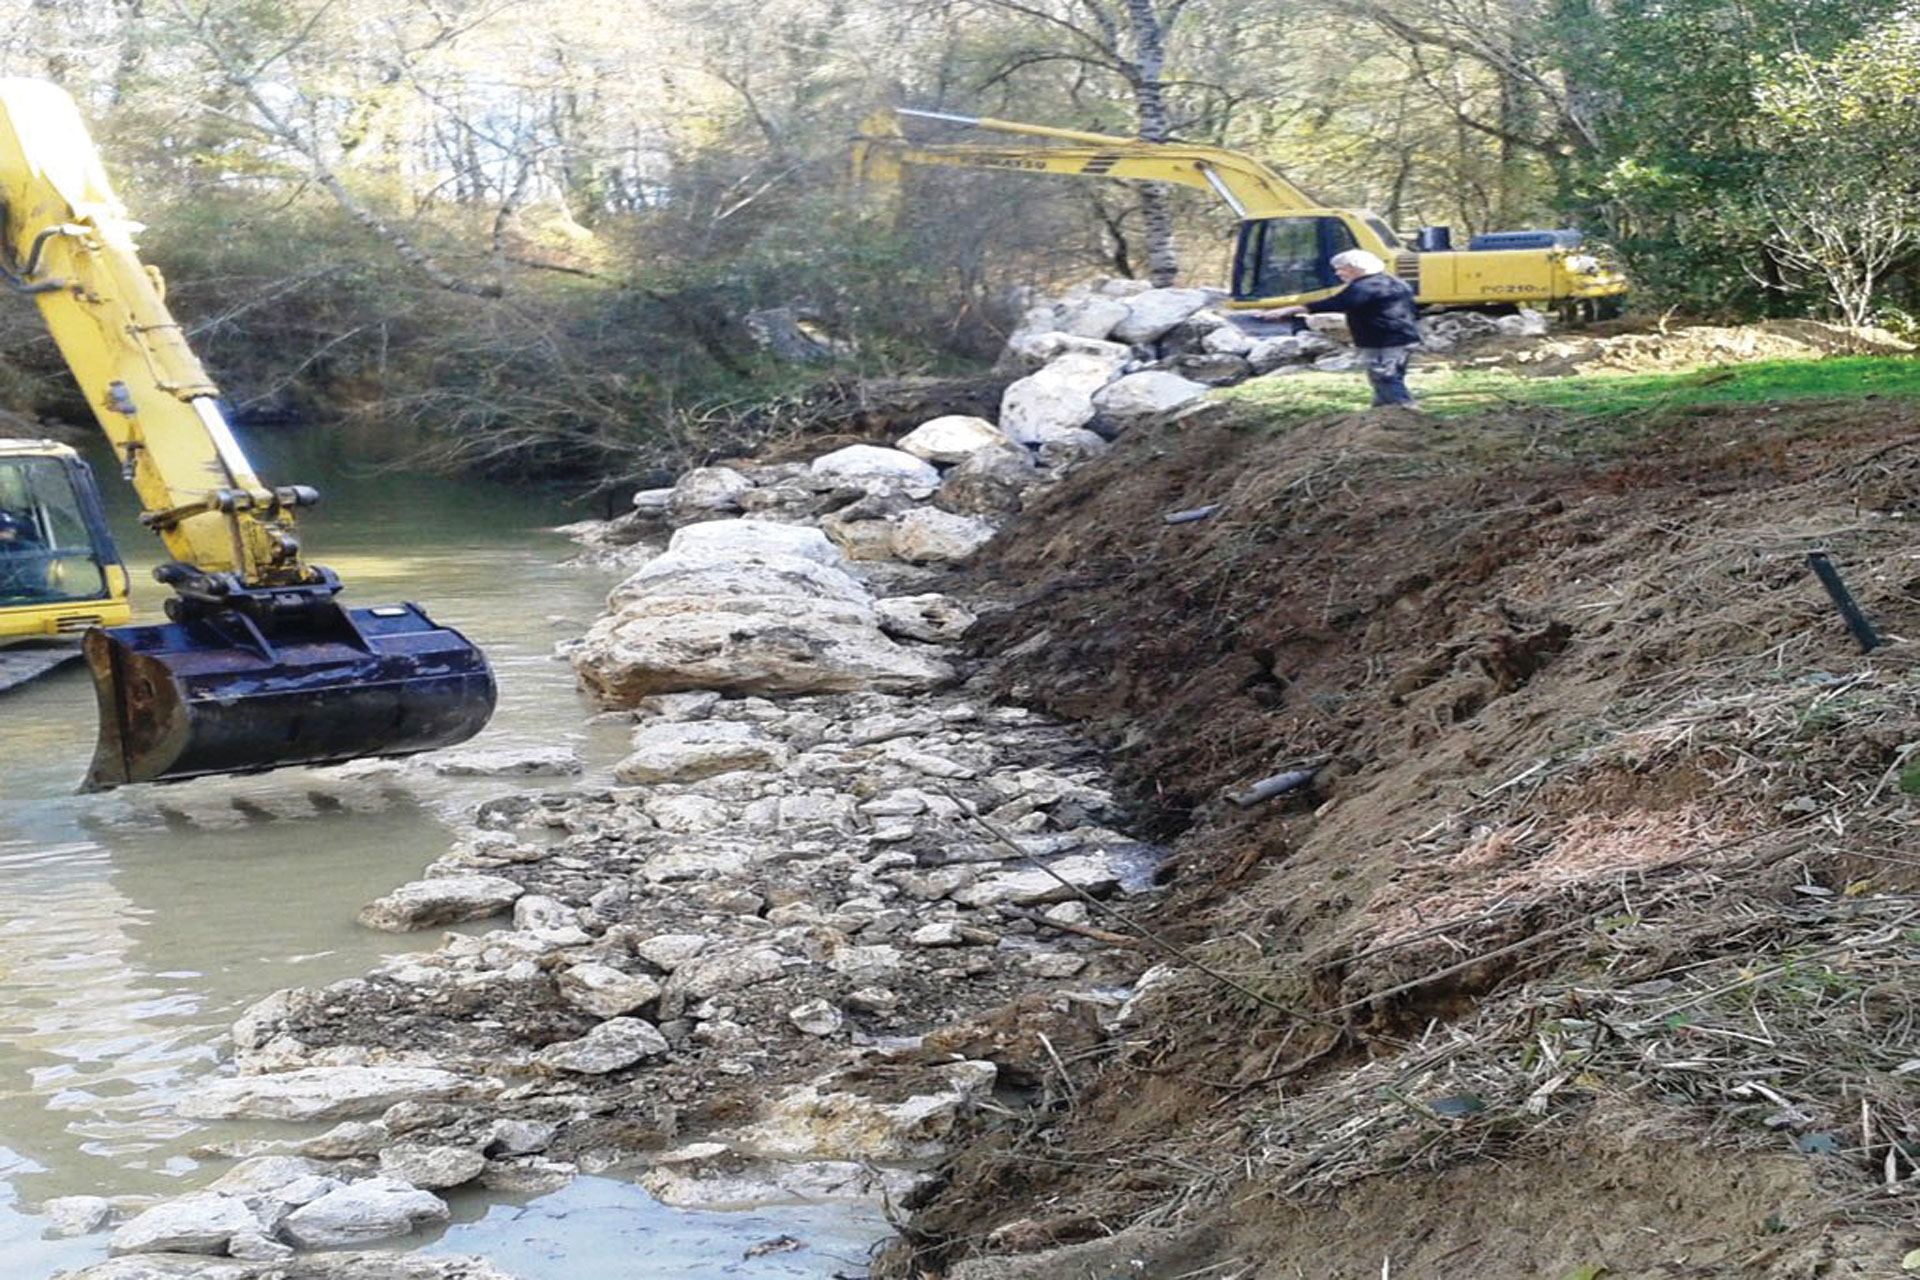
(1611, 828)
(1657, 349)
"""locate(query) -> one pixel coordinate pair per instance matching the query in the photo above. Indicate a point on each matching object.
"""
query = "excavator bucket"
(221, 695)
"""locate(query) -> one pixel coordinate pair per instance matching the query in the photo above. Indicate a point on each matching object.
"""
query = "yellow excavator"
(1287, 239)
(259, 665)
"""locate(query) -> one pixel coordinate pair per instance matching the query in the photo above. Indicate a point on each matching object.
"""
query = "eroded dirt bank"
(1591, 944)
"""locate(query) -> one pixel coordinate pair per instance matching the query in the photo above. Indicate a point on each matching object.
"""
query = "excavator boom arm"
(259, 665)
(1245, 185)
(69, 243)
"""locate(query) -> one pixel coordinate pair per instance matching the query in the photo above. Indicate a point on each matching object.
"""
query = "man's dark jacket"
(1380, 311)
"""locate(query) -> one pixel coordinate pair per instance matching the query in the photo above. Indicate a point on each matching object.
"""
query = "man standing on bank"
(1382, 317)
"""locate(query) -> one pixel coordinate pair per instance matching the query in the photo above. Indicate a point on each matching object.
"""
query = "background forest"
(528, 235)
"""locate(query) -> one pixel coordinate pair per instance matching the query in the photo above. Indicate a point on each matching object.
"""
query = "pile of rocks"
(1107, 355)
(755, 963)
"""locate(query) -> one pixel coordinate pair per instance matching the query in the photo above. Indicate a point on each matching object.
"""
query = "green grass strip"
(1599, 395)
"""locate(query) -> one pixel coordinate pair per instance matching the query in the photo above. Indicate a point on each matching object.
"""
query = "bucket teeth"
(218, 695)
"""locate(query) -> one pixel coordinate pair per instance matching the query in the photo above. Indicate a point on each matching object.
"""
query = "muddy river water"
(138, 924)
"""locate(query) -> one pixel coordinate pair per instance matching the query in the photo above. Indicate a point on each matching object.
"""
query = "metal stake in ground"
(1843, 600)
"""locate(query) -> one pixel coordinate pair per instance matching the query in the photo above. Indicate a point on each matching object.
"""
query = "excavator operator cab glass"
(1282, 257)
(54, 545)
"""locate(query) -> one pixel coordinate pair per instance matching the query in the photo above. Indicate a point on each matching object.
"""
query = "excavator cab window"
(1281, 257)
(53, 543)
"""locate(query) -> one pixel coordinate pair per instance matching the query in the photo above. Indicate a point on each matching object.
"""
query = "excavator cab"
(59, 570)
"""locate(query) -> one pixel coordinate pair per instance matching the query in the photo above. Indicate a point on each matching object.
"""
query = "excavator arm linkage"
(260, 665)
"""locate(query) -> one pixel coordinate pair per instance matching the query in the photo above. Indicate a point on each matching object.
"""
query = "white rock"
(1091, 873)
(537, 911)
(707, 490)
(812, 1123)
(1227, 340)
(941, 933)
(668, 951)
(431, 1167)
(690, 815)
(723, 971)
(788, 625)
(323, 1093)
(77, 1215)
(755, 540)
(686, 751)
(199, 1223)
(816, 1018)
(615, 1043)
(932, 618)
(1143, 395)
(1292, 349)
(507, 762)
(687, 580)
(1152, 313)
(1058, 398)
(953, 438)
(871, 462)
(1094, 317)
(1030, 352)
(373, 1209)
(262, 1175)
(1338, 362)
(679, 706)
(1121, 287)
(506, 1137)
(442, 900)
(928, 535)
(604, 991)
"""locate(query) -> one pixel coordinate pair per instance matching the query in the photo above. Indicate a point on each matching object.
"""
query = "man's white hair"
(1367, 264)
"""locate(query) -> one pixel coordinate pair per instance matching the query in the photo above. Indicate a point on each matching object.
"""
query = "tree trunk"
(1156, 198)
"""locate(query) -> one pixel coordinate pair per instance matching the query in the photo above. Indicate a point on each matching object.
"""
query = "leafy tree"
(1839, 191)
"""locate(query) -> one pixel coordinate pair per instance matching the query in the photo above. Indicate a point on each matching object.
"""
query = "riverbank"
(1590, 863)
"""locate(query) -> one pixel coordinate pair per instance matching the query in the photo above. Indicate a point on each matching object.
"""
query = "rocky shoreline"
(834, 902)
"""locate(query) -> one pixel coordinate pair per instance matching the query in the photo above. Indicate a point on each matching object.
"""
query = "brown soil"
(1591, 942)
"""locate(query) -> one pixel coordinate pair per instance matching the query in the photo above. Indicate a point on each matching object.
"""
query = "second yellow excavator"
(1287, 239)
(260, 664)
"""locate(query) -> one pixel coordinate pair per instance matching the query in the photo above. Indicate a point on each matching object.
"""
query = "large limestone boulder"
(754, 540)
(680, 751)
(440, 900)
(778, 624)
(1027, 352)
(705, 493)
(1126, 401)
(1152, 313)
(1094, 317)
(932, 536)
(372, 1209)
(1056, 399)
(604, 991)
(1227, 340)
(324, 1093)
(615, 1043)
(953, 438)
(202, 1223)
(860, 462)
